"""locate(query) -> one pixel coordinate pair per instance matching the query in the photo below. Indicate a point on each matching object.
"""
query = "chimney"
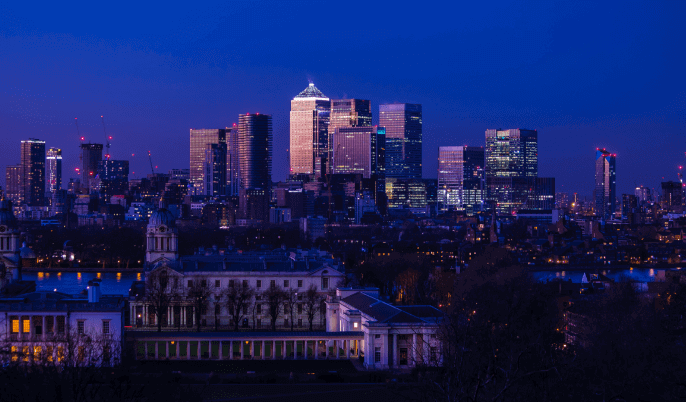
(94, 291)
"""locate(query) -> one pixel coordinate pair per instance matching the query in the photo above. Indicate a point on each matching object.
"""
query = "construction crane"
(107, 139)
(151, 166)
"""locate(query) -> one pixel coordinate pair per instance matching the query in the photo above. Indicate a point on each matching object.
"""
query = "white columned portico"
(414, 348)
(394, 352)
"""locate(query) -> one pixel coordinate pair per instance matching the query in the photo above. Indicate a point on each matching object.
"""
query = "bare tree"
(290, 299)
(199, 295)
(312, 301)
(238, 300)
(274, 297)
(160, 293)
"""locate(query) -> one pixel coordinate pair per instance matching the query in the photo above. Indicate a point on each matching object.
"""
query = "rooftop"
(311, 92)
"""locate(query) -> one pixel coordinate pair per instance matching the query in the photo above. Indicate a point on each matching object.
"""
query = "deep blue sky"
(584, 74)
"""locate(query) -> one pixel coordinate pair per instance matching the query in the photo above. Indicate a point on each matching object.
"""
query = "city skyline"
(152, 87)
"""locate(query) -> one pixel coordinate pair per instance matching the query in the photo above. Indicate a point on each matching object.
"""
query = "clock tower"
(162, 239)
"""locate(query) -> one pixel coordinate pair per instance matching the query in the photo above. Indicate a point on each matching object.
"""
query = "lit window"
(354, 325)
(27, 326)
(15, 326)
(105, 327)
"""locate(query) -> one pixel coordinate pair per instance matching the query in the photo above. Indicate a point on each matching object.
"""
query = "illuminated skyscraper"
(54, 167)
(605, 178)
(255, 149)
(214, 177)
(359, 150)
(309, 139)
(33, 171)
(233, 162)
(114, 178)
(460, 178)
(509, 154)
(201, 140)
(347, 113)
(403, 122)
(13, 190)
(91, 155)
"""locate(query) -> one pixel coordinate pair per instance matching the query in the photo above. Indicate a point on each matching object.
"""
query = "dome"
(162, 216)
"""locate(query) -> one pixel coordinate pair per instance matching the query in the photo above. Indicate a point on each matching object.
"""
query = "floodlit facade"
(13, 189)
(347, 113)
(461, 178)
(200, 141)
(233, 163)
(403, 123)
(309, 132)
(605, 184)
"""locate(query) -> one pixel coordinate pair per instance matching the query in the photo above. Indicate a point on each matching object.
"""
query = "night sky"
(584, 74)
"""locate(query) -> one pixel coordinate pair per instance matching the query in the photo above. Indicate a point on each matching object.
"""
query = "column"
(146, 350)
(231, 349)
(273, 349)
(263, 355)
(305, 349)
(283, 349)
(133, 316)
(183, 315)
(326, 349)
(414, 349)
(394, 349)
(166, 349)
(384, 350)
(157, 352)
(188, 350)
(242, 349)
(425, 347)
(44, 328)
(220, 350)
(252, 349)
(194, 316)
(199, 356)
(347, 349)
(315, 349)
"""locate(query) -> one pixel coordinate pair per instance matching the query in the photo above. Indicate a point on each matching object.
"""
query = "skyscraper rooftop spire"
(311, 92)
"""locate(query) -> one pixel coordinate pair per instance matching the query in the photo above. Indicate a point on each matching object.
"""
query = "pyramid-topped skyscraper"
(309, 139)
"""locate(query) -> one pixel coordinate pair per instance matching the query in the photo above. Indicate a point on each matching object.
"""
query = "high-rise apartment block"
(53, 159)
(309, 132)
(403, 123)
(91, 155)
(461, 178)
(672, 195)
(201, 140)
(643, 194)
(605, 182)
(359, 150)
(33, 171)
(114, 178)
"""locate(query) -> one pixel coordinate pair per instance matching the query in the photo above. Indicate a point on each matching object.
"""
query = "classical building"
(56, 328)
(9, 238)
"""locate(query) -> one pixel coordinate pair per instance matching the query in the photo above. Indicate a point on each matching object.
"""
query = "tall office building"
(13, 184)
(233, 161)
(309, 135)
(255, 149)
(91, 155)
(461, 178)
(347, 113)
(403, 122)
(605, 178)
(643, 195)
(672, 195)
(509, 154)
(33, 171)
(201, 140)
(359, 150)
(214, 177)
(54, 168)
(114, 178)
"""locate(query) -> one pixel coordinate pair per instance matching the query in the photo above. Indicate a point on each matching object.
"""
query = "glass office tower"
(33, 171)
(13, 190)
(509, 154)
(114, 178)
(403, 122)
(359, 150)
(54, 168)
(91, 155)
(255, 148)
(347, 113)
(605, 181)
(309, 132)
(233, 165)
(460, 178)
(201, 139)
(214, 177)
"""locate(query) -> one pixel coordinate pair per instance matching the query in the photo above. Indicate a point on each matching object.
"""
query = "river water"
(75, 282)
(120, 283)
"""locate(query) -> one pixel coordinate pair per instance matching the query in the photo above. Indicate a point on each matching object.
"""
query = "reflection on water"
(76, 282)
